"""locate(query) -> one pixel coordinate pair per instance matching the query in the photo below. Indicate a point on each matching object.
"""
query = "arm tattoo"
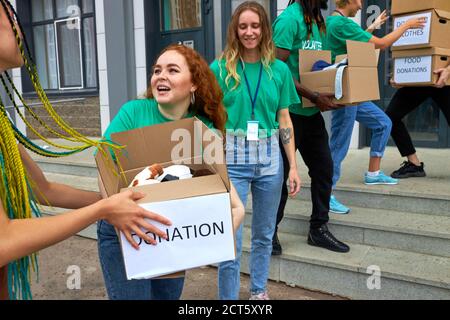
(286, 135)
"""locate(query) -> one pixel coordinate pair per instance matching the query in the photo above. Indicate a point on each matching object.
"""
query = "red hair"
(209, 96)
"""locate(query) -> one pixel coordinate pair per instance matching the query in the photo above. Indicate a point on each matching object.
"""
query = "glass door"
(188, 22)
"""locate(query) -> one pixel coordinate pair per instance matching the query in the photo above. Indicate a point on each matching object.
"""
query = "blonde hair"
(233, 49)
(342, 3)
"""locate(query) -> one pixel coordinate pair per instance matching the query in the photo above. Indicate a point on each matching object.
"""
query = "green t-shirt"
(290, 32)
(339, 30)
(141, 113)
(277, 91)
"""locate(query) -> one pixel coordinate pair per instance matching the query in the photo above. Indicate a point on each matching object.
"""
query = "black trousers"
(405, 101)
(311, 139)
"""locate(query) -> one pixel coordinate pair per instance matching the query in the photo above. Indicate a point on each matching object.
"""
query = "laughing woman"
(21, 235)
(258, 90)
(182, 86)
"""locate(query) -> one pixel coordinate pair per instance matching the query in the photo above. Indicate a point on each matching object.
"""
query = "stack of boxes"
(421, 51)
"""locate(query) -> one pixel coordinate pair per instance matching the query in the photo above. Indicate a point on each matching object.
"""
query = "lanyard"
(253, 99)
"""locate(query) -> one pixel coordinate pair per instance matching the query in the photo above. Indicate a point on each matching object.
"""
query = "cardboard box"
(435, 33)
(199, 208)
(415, 67)
(407, 6)
(360, 78)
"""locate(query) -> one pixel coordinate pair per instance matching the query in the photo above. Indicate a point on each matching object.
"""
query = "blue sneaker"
(337, 207)
(380, 179)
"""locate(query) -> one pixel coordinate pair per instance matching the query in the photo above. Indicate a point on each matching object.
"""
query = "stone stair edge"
(359, 268)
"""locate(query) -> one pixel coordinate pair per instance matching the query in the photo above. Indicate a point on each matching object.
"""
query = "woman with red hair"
(182, 86)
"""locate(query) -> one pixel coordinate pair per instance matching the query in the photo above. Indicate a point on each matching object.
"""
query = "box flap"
(443, 14)
(140, 144)
(406, 6)
(213, 152)
(309, 57)
(361, 54)
(420, 52)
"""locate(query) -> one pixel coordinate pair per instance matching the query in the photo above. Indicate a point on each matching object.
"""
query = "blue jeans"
(265, 178)
(342, 123)
(117, 285)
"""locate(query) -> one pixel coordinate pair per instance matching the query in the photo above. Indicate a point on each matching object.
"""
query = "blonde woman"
(258, 90)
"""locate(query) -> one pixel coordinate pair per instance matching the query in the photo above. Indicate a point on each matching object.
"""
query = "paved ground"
(76, 251)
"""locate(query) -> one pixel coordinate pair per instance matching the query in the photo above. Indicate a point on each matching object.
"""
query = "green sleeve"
(123, 121)
(284, 33)
(288, 94)
(352, 31)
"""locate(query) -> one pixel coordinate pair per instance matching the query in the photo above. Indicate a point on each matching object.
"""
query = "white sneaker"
(260, 296)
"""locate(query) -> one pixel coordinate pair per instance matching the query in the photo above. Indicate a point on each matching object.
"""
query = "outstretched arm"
(21, 237)
(389, 39)
(58, 195)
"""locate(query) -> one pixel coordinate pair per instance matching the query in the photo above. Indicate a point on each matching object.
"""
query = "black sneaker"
(323, 238)
(409, 170)
(276, 246)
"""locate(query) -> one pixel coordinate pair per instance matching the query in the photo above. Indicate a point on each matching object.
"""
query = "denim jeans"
(117, 285)
(342, 123)
(265, 179)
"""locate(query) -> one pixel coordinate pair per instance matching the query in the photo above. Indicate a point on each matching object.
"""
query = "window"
(64, 43)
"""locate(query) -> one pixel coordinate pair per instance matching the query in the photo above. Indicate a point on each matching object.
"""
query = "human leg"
(266, 192)
(342, 124)
(240, 175)
(405, 101)
(371, 116)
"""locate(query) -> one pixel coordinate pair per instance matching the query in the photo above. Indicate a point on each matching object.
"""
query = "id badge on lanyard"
(253, 125)
(253, 130)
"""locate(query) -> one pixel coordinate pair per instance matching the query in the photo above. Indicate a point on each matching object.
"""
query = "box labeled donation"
(416, 67)
(434, 34)
(198, 203)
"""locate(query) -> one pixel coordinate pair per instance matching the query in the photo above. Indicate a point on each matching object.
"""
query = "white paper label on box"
(201, 234)
(413, 69)
(413, 36)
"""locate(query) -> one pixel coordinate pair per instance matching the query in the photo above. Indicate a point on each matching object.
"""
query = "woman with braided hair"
(23, 183)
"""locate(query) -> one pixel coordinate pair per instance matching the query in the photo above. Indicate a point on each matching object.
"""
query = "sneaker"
(276, 246)
(260, 296)
(380, 179)
(324, 239)
(409, 170)
(337, 207)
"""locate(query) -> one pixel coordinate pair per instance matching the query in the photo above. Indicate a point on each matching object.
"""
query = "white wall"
(17, 79)
(140, 49)
(105, 118)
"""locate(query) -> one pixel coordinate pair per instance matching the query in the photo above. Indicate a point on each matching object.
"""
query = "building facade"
(94, 55)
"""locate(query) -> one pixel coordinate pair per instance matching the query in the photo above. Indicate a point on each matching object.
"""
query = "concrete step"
(404, 275)
(68, 166)
(77, 181)
(420, 233)
(388, 198)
